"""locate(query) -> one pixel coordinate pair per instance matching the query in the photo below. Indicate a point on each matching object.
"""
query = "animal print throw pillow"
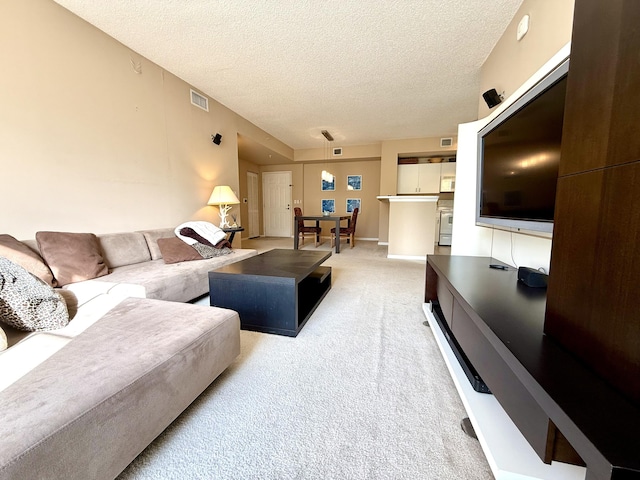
(28, 303)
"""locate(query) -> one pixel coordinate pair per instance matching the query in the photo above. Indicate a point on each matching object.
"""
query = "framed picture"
(328, 205)
(354, 182)
(353, 203)
(328, 181)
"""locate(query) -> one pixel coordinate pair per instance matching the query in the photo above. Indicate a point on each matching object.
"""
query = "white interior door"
(252, 205)
(276, 204)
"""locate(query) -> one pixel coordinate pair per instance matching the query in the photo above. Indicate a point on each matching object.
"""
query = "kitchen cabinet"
(447, 177)
(448, 169)
(419, 178)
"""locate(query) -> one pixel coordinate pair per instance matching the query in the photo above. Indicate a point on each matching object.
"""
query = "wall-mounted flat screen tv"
(519, 157)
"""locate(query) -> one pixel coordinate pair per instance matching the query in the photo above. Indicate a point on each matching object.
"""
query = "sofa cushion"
(19, 253)
(92, 407)
(13, 336)
(152, 236)
(86, 291)
(176, 282)
(175, 250)
(26, 302)
(120, 249)
(27, 354)
(72, 257)
(29, 349)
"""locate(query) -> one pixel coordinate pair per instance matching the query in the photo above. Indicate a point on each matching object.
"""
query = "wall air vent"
(199, 101)
(446, 142)
(337, 152)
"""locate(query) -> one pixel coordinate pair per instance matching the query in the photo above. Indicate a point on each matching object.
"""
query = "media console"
(565, 413)
(467, 367)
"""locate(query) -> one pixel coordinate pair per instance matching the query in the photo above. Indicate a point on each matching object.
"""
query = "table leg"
(338, 235)
(296, 234)
(233, 234)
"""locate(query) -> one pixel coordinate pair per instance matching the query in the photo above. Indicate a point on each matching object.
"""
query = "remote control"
(498, 267)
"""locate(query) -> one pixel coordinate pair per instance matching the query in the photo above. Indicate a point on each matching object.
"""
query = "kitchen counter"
(412, 221)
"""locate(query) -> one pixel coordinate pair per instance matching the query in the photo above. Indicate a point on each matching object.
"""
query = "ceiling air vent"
(446, 142)
(337, 152)
(199, 101)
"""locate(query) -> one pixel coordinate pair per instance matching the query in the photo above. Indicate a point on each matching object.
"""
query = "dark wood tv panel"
(563, 409)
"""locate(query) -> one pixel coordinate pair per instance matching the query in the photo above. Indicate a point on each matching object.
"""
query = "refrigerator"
(446, 227)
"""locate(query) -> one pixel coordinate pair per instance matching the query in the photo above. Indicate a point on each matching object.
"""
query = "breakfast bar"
(412, 225)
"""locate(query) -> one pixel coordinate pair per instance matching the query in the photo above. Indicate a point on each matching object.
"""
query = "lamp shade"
(222, 195)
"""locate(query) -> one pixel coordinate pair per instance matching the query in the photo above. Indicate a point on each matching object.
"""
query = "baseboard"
(408, 257)
(383, 243)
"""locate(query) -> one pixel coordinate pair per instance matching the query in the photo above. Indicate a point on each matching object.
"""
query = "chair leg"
(353, 242)
(333, 240)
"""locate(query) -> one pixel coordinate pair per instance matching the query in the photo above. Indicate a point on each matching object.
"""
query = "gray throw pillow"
(28, 303)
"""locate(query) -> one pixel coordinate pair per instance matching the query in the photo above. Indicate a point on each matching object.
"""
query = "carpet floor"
(361, 393)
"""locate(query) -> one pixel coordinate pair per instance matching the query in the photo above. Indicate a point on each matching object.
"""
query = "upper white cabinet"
(419, 178)
(448, 169)
(448, 177)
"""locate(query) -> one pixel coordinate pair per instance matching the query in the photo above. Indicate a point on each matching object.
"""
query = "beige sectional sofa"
(136, 268)
(84, 400)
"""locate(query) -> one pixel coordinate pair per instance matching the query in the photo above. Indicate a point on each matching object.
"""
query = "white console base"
(509, 455)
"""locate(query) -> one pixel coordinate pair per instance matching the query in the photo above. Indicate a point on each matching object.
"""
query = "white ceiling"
(365, 70)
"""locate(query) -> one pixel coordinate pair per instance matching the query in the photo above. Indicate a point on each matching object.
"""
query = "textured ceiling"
(366, 70)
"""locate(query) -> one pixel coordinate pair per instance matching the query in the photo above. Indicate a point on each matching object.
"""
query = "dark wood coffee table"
(274, 292)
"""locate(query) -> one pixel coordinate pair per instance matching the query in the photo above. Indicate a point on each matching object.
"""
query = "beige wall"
(306, 192)
(367, 226)
(512, 62)
(389, 169)
(89, 144)
(244, 167)
(297, 188)
(515, 67)
(349, 153)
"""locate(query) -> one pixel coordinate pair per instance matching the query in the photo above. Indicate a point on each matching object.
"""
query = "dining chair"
(306, 230)
(349, 232)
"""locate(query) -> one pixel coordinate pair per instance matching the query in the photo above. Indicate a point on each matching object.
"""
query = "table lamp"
(223, 197)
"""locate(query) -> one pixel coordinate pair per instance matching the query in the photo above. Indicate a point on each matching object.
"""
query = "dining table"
(320, 218)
